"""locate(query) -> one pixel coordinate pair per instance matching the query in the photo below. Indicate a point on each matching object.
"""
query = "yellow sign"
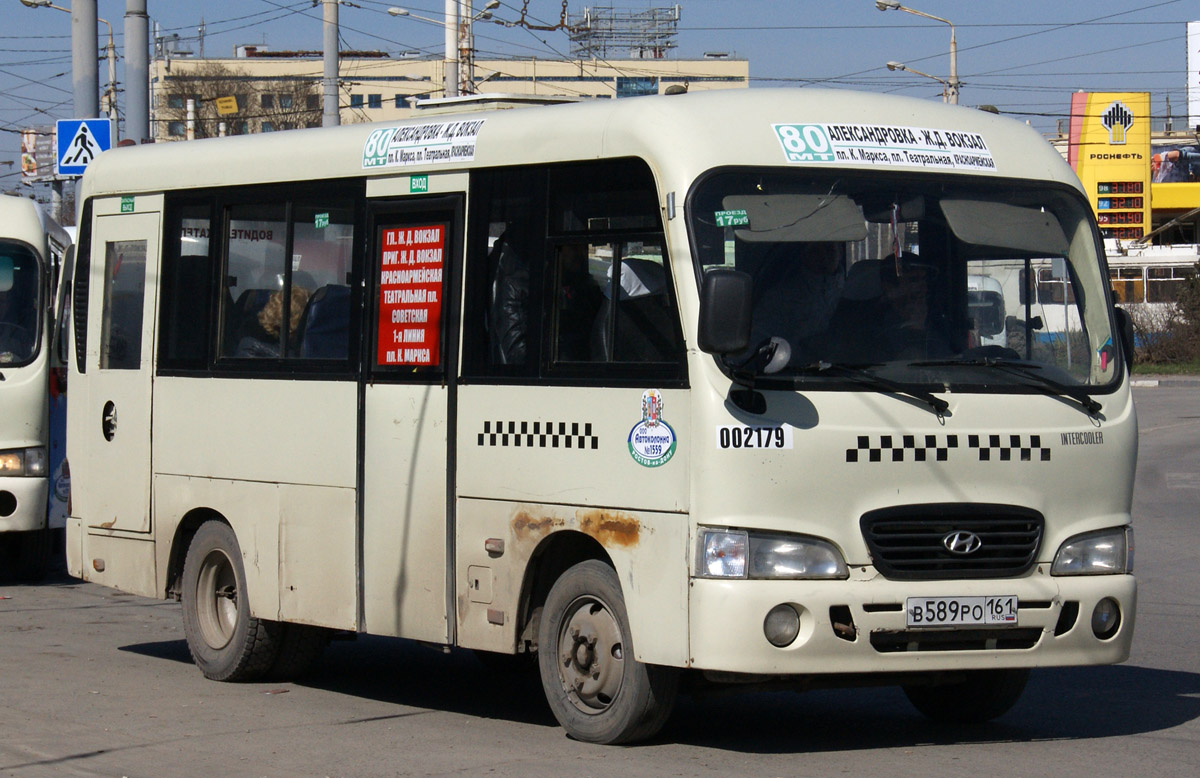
(227, 105)
(1110, 151)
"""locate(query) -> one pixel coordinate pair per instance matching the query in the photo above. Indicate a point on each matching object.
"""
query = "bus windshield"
(19, 305)
(918, 279)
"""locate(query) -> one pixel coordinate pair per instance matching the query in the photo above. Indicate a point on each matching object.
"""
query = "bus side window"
(567, 274)
(255, 279)
(186, 287)
(505, 272)
(124, 293)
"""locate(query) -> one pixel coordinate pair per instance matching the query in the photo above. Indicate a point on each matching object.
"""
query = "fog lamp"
(782, 625)
(1106, 618)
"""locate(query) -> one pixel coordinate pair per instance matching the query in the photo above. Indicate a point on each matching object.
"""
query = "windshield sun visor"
(1004, 226)
(797, 218)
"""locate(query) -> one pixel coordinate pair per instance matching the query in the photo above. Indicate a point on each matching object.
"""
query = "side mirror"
(725, 311)
(1125, 333)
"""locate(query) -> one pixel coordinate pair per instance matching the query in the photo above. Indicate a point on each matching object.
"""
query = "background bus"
(32, 388)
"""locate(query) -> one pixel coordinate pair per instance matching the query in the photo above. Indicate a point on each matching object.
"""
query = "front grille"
(908, 542)
(1004, 639)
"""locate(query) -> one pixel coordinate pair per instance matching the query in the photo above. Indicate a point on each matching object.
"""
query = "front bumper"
(23, 503)
(726, 625)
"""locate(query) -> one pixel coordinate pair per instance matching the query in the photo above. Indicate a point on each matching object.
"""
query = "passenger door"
(407, 406)
(112, 485)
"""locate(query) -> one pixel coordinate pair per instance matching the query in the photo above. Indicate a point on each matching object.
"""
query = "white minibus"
(652, 388)
(32, 389)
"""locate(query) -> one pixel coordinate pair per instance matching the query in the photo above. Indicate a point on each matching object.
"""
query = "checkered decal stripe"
(539, 434)
(990, 448)
(938, 448)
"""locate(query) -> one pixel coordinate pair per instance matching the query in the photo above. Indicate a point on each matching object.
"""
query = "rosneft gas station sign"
(1110, 151)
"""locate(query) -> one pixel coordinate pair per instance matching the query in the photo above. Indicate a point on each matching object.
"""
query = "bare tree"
(263, 104)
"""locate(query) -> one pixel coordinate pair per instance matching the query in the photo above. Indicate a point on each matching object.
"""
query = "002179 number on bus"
(731, 436)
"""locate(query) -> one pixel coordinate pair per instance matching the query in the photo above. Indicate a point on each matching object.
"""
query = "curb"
(1164, 382)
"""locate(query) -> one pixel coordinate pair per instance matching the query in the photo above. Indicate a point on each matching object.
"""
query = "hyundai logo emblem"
(962, 542)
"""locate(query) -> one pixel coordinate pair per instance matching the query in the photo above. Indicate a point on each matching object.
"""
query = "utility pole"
(466, 59)
(137, 71)
(330, 115)
(85, 76)
(451, 66)
(85, 80)
(110, 93)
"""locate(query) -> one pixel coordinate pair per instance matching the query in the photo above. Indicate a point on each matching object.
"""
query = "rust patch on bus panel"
(526, 526)
(610, 528)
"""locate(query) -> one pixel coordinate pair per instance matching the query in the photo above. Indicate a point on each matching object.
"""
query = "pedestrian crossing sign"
(79, 141)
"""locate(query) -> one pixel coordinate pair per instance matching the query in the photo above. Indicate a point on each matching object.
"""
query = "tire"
(596, 689)
(24, 556)
(225, 641)
(300, 649)
(981, 696)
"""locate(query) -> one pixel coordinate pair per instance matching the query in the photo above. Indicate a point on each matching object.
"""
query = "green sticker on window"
(321, 221)
(736, 218)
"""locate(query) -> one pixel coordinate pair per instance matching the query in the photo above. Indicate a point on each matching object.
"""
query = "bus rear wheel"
(981, 695)
(595, 687)
(225, 641)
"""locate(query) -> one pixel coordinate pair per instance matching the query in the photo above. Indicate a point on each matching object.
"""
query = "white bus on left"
(32, 399)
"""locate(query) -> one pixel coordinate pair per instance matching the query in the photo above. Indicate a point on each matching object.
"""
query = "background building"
(273, 91)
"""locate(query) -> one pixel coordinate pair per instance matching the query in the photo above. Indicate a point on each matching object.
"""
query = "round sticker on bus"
(652, 441)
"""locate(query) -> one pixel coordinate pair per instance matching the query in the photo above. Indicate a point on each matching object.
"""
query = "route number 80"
(805, 142)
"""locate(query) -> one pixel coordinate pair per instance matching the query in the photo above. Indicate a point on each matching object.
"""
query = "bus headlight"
(1107, 552)
(23, 462)
(763, 555)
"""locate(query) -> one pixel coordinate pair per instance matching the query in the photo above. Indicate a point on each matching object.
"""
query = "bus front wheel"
(226, 642)
(979, 696)
(595, 687)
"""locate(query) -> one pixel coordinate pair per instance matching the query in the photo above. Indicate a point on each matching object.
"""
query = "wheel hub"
(591, 654)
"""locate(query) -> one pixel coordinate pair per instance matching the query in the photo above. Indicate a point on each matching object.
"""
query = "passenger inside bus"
(636, 327)
(508, 314)
(260, 335)
(579, 300)
(885, 315)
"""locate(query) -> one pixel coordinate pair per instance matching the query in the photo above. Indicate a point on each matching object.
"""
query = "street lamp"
(110, 94)
(450, 68)
(953, 83)
(460, 48)
(907, 69)
(466, 42)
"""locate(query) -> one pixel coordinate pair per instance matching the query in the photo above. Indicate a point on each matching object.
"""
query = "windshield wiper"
(1026, 371)
(869, 379)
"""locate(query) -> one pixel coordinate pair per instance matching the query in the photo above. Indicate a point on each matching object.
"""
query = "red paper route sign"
(410, 295)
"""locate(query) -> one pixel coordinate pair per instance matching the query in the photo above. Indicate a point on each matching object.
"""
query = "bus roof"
(681, 135)
(24, 220)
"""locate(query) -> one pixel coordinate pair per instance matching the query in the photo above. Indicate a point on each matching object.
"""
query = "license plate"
(990, 610)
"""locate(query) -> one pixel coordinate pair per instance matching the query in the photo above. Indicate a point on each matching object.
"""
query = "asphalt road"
(94, 682)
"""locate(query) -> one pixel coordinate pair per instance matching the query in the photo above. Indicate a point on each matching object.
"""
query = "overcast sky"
(1023, 57)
